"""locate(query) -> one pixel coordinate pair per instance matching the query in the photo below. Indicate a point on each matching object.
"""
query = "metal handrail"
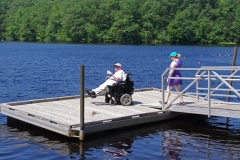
(204, 73)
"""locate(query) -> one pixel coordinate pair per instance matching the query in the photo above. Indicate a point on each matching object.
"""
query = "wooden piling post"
(233, 64)
(81, 132)
(82, 151)
(209, 94)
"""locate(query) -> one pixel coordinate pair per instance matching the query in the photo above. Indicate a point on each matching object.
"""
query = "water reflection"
(171, 144)
(190, 137)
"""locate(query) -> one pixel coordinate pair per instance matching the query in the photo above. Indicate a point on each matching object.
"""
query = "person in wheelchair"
(121, 92)
(118, 87)
(110, 81)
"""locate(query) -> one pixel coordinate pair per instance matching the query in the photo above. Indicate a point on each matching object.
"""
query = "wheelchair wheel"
(126, 100)
(112, 102)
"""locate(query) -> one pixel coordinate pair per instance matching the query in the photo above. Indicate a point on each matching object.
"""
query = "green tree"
(121, 21)
(179, 32)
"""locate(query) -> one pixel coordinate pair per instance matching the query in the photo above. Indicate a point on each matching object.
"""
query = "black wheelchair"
(121, 92)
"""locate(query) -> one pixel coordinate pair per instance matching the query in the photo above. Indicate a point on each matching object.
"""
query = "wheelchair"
(120, 92)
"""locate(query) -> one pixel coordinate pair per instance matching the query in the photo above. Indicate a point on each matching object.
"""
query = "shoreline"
(232, 44)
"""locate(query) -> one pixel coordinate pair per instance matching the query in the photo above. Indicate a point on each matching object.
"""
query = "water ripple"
(35, 70)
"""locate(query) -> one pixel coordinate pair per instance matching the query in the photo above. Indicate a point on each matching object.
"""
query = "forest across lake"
(121, 21)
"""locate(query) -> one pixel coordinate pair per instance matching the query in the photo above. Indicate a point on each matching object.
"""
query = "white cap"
(117, 64)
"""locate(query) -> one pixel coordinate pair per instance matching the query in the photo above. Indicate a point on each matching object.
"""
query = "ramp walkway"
(207, 90)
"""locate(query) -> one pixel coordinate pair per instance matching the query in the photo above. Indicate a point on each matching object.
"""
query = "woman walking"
(177, 81)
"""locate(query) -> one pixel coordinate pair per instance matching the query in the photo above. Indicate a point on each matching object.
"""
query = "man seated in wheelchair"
(118, 87)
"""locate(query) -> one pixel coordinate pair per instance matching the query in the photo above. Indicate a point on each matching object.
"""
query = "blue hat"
(173, 54)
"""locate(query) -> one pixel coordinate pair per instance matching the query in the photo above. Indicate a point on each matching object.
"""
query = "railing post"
(81, 132)
(163, 93)
(233, 64)
(197, 86)
(163, 90)
(209, 93)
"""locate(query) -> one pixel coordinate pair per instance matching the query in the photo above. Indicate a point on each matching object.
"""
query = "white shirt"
(118, 74)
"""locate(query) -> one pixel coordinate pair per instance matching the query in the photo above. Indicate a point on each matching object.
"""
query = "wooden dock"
(62, 114)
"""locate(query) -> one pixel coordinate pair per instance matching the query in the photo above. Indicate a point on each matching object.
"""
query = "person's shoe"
(181, 103)
(91, 93)
(94, 95)
(164, 102)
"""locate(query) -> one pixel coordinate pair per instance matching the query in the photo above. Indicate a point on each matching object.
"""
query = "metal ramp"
(217, 109)
(204, 100)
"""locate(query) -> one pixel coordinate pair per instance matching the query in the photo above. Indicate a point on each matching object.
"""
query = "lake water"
(38, 70)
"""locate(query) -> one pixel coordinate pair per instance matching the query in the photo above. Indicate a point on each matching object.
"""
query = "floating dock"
(62, 114)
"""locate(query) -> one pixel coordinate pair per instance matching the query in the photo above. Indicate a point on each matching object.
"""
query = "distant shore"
(143, 44)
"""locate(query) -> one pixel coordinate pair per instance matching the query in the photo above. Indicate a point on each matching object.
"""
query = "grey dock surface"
(62, 114)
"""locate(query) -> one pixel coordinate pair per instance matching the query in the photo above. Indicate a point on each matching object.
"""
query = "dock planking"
(62, 114)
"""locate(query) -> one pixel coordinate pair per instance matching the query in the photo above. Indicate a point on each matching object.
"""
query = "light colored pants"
(102, 87)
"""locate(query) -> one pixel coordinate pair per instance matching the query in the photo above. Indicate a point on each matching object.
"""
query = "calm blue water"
(35, 70)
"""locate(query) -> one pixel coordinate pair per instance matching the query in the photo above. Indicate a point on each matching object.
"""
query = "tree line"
(121, 21)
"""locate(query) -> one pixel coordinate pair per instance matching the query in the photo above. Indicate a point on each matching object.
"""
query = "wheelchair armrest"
(111, 86)
(121, 82)
(117, 84)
